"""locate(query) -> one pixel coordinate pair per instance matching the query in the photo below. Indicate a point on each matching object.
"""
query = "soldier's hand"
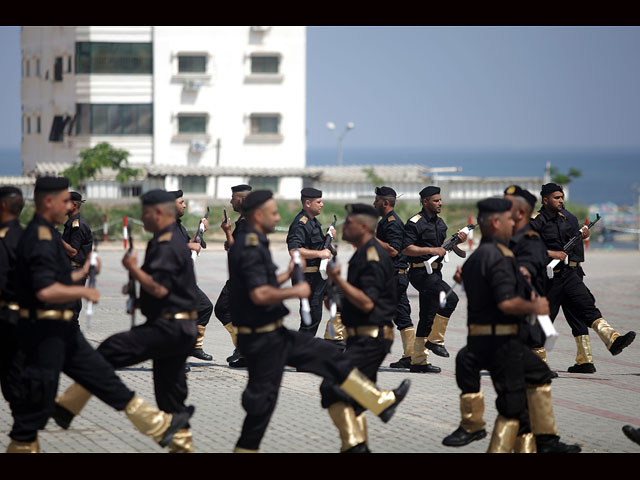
(462, 236)
(441, 252)
(333, 273)
(195, 246)
(92, 294)
(226, 225)
(205, 223)
(333, 231)
(326, 253)
(302, 289)
(557, 255)
(585, 232)
(458, 276)
(130, 261)
(541, 305)
(87, 265)
(526, 274)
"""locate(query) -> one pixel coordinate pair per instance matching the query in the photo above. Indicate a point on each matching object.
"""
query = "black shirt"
(239, 225)
(491, 275)
(424, 230)
(10, 233)
(77, 233)
(371, 270)
(251, 266)
(391, 230)
(168, 261)
(557, 230)
(531, 253)
(183, 231)
(305, 232)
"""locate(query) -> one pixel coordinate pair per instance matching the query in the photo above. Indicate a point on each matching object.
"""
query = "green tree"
(373, 178)
(562, 179)
(93, 160)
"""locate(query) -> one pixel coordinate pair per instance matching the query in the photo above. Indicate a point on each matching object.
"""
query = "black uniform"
(264, 342)
(223, 307)
(168, 335)
(52, 343)
(306, 232)
(11, 356)
(77, 233)
(391, 230)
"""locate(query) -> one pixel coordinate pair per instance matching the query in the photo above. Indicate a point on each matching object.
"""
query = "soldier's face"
(433, 204)
(314, 206)
(149, 218)
(269, 216)
(236, 201)
(181, 205)
(554, 202)
(378, 204)
(504, 226)
(351, 230)
(61, 204)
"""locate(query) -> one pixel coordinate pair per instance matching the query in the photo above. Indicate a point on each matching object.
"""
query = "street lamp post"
(332, 126)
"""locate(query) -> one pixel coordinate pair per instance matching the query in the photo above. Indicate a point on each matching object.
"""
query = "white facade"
(231, 105)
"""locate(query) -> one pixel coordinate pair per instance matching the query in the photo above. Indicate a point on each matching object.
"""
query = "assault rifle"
(298, 276)
(198, 237)
(449, 245)
(568, 246)
(327, 245)
(130, 288)
(93, 266)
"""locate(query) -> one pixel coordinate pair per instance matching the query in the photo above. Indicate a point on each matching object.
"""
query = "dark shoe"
(632, 434)
(202, 355)
(461, 437)
(622, 342)
(399, 393)
(554, 374)
(178, 422)
(437, 349)
(404, 362)
(552, 444)
(239, 363)
(582, 368)
(360, 448)
(62, 416)
(234, 356)
(428, 368)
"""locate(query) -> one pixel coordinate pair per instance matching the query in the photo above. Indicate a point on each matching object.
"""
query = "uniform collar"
(429, 217)
(391, 212)
(166, 229)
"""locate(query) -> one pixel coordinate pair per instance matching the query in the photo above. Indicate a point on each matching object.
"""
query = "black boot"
(241, 362)
(552, 444)
(360, 448)
(461, 437)
(632, 434)
(437, 349)
(234, 356)
(582, 368)
(202, 355)
(622, 342)
(62, 416)
(404, 362)
(399, 393)
(428, 368)
(178, 422)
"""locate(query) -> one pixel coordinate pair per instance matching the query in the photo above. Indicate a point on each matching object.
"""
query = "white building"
(185, 98)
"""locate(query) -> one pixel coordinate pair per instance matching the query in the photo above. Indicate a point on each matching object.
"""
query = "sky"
(447, 87)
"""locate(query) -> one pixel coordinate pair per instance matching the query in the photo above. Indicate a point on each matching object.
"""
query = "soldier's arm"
(147, 282)
(392, 251)
(59, 293)
(69, 250)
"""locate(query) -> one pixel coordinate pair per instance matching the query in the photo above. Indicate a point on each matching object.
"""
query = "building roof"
(358, 173)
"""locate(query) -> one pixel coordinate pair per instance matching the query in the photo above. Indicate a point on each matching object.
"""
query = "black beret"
(361, 209)
(76, 197)
(518, 191)
(51, 184)
(550, 188)
(311, 193)
(241, 188)
(255, 199)
(429, 191)
(177, 193)
(494, 205)
(154, 197)
(386, 192)
(9, 191)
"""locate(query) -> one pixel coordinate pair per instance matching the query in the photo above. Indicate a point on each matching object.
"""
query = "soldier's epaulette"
(532, 233)
(372, 254)
(391, 218)
(415, 218)
(251, 240)
(303, 219)
(75, 223)
(3, 232)
(44, 233)
(505, 250)
(165, 237)
(535, 215)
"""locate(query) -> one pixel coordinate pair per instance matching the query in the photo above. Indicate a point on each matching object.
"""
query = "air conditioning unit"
(198, 146)
(192, 85)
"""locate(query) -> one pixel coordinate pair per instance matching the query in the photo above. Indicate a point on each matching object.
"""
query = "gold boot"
(503, 438)
(540, 352)
(74, 398)
(233, 331)
(150, 421)
(419, 354)
(362, 423)
(344, 418)
(335, 329)
(525, 443)
(366, 393)
(541, 416)
(200, 338)
(439, 328)
(182, 442)
(472, 412)
(23, 447)
(408, 336)
(244, 450)
(613, 340)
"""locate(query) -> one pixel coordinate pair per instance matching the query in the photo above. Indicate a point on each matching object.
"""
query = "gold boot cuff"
(182, 442)
(200, 338)
(244, 450)
(335, 329)
(365, 392)
(148, 419)
(23, 447)
(74, 398)
(583, 354)
(472, 411)
(605, 331)
(541, 416)
(540, 352)
(438, 330)
(408, 336)
(362, 423)
(344, 418)
(233, 332)
(503, 438)
(420, 354)
(525, 443)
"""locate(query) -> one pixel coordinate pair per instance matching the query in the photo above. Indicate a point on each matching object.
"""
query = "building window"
(69, 64)
(37, 67)
(192, 64)
(193, 184)
(122, 58)
(192, 123)
(265, 64)
(38, 129)
(114, 119)
(28, 125)
(265, 124)
(131, 191)
(57, 70)
(264, 183)
(57, 128)
(27, 68)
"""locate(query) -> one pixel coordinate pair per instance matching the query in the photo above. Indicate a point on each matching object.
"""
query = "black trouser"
(77, 305)
(566, 288)
(267, 354)
(11, 358)
(168, 342)
(402, 319)
(318, 289)
(204, 308)
(429, 288)
(366, 354)
(51, 347)
(578, 327)
(223, 305)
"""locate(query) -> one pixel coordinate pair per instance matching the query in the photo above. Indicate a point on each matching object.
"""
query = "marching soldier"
(369, 302)
(257, 310)
(499, 301)
(557, 226)
(425, 233)
(222, 309)
(77, 240)
(390, 234)
(204, 306)
(46, 289)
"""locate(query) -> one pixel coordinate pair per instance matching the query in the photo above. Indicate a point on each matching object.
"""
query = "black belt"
(41, 314)
(402, 271)
(192, 315)
(476, 330)
(10, 305)
(269, 327)
(371, 331)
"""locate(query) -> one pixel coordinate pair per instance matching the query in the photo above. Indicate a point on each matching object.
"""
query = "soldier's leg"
(222, 312)
(318, 288)
(11, 358)
(435, 340)
(584, 358)
(420, 354)
(403, 322)
(204, 309)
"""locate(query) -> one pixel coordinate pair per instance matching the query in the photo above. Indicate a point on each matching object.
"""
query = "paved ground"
(589, 409)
